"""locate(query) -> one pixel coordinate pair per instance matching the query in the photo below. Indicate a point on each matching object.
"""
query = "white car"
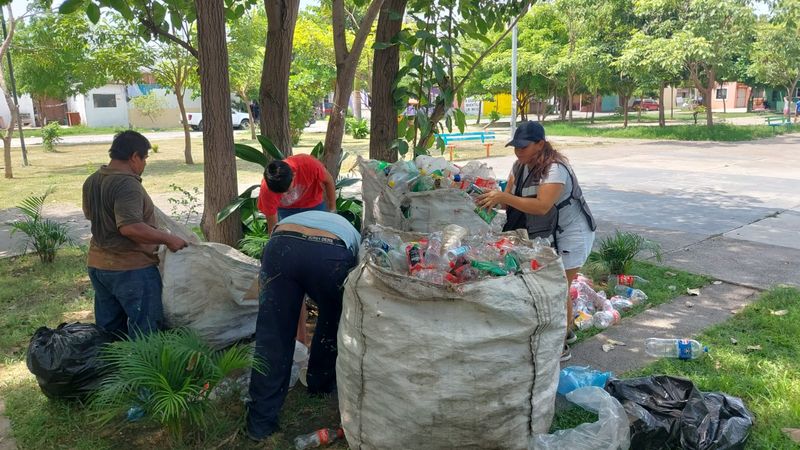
(238, 119)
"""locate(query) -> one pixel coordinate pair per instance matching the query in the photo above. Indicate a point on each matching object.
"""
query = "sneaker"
(571, 337)
(566, 354)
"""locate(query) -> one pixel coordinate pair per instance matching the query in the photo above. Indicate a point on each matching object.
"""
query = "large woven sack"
(472, 366)
(212, 289)
(422, 212)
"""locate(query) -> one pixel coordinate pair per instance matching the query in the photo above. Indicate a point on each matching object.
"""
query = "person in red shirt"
(294, 185)
(291, 186)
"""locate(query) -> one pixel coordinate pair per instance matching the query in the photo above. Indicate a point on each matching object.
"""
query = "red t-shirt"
(305, 191)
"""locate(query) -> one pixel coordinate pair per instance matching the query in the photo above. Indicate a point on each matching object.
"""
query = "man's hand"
(174, 243)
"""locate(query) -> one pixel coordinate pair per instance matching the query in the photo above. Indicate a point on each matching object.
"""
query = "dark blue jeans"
(127, 301)
(286, 212)
(292, 267)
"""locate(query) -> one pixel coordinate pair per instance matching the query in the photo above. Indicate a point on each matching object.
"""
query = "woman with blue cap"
(543, 197)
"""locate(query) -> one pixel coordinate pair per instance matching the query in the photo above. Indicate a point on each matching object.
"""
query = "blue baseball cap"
(527, 132)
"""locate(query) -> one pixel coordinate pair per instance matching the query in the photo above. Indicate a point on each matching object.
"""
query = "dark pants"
(292, 267)
(127, 301)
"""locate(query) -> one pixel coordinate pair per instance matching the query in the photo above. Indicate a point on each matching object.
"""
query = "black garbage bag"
(65, 360)
(668, 412)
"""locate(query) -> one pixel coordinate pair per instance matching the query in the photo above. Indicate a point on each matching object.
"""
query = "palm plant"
(44, 235)
(617, 252)
(169, 375)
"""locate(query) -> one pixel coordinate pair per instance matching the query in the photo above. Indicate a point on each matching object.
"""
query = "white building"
(106, 106)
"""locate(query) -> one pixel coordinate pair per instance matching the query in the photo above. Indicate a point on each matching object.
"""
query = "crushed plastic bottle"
(635, 295)
(324, 436)
(674, 348)
(621, 303)
(604, 319)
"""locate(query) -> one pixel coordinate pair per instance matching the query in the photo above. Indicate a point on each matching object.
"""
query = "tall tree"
(158, 19)
(776, 56)
(385, 66)
(246, 49)
(8, 129)
(346, 67)
(176, 69)
(218, 129)
(274, 93)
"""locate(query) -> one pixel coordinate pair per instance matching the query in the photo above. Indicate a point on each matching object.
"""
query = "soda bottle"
(674, 348)
(414, 257)
(453, 254)
(489, 267)
(635, 295)
(605, 319)
(627, 280)
(512, 263)
(323, 436)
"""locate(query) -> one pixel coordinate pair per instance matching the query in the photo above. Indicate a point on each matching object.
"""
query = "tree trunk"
(356, 101)
(335, 131)
(220, 160)
(624, 111)
(385, 65)
(187, 136)
(709, 113)
(594, 105)
(661, 119)
(252, 124)
(346, 66)
(274, 93)
(480, 107)
(570, 93)
(41, 113)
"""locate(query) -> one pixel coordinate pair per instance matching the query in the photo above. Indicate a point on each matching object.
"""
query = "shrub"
(186, 205)
(494, 115)
(617, 252)
(45, 235)
(169, 375)
(51, 136)
(358, 128)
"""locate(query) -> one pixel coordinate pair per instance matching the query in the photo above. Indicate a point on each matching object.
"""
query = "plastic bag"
(667, 412)
(299, 364)
(610, 432)
(574, 377)
(65, 360)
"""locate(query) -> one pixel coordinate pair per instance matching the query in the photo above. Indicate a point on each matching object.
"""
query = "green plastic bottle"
(489, 267)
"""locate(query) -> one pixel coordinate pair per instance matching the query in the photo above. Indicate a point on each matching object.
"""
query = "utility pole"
(14, 92)
(513, 79)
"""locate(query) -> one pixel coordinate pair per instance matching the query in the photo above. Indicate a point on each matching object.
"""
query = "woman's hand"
(490, 199)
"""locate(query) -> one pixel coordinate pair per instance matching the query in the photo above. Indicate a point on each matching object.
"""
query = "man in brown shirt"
(122, 263)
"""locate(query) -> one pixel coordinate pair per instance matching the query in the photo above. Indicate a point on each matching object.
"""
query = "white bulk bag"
(471, 366)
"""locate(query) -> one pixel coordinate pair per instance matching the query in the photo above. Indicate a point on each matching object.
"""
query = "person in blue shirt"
(309, 253)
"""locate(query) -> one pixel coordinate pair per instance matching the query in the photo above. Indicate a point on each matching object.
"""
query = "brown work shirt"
(113, 199)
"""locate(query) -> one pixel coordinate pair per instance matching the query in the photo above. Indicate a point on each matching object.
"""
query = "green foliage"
(150, 105)
(494, 115)
(44, 235)
(51, 136)
(254, 241)
(246, 52)
(616, 253)
(169, 374)
(358, 128)
(186, 205)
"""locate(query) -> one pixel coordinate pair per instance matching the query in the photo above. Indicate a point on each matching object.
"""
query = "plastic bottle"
(674, 348)
(487, 215)
(453, 254)
(489, 267)
(605, 319)
(430, 275)
(318, 438)
(621, 303)
(434, 244)
(635, 295)
(627, 280)
(398, 260)
(512, 263)
(414, 257)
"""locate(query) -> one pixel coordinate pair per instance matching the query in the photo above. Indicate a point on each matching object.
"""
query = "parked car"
(646, 104)
(238, 119)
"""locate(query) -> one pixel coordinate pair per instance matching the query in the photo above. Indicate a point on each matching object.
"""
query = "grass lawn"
(719, 132)
(84, 130)
(768, 380)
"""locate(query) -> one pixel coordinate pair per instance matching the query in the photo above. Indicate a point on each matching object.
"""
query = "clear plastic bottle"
(434, 245)
(430, 275)
(605, 319)
(323, 436)
(454, 253)
(627, 280)
(674, 348)
(635, 295)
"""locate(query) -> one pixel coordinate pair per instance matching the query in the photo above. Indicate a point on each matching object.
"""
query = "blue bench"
(484, 137)
(778, 121)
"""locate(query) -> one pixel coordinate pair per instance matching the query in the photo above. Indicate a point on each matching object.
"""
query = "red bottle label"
(627, 280)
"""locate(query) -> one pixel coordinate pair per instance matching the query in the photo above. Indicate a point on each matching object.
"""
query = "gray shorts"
(574, 246)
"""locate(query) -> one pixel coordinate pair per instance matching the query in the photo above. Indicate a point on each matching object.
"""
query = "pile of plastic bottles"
(592, 308)
(427, 173)
(451, 257)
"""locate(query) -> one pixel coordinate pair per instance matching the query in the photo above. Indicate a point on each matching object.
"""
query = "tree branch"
(339, 37)
(150, 24)
(364, 29)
